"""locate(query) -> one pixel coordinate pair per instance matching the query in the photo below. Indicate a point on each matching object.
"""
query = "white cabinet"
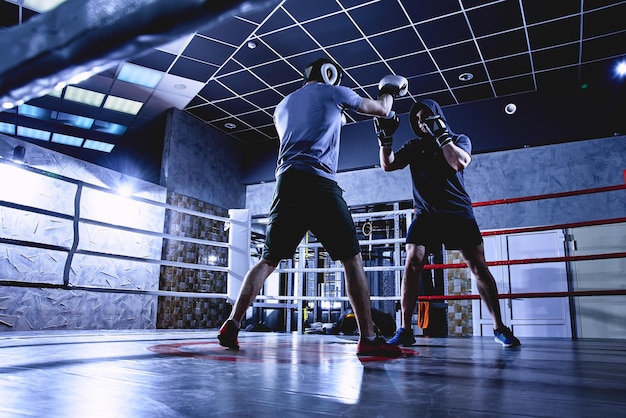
(528, 317)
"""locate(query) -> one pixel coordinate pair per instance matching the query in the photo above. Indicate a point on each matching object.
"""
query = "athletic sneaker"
(402, 337)
(378, 347)
(505, 337)
(228, 335)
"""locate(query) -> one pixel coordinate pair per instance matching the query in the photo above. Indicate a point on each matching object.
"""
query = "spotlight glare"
(124, 190)
(620, 69)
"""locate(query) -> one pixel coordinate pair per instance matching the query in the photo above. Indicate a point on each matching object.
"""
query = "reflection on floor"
(187, 374)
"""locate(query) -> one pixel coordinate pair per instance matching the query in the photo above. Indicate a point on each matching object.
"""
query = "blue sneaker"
(402, 337)
(505, 337)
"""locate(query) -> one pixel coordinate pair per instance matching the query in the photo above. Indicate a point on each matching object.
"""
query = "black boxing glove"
(436, 126)
(395, 85)
(385, 128)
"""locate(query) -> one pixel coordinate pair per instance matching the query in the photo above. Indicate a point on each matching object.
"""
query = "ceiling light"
(229, 125)
(252, 44)
(7, 128)
(510, 108)
(98, 146)
(466, 76)
(109, 128)
(56, 92)
(141, 76)
(34, 112)
(122, 105)
(42, 5)
(33, 133)
(180, 86)
(80, 77)
(75, 120)
(620, 69)
(67, 140)
(88, 97)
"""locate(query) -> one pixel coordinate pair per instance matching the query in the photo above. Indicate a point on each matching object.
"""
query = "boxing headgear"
(413, 117)
(324, 71)
(435, 125)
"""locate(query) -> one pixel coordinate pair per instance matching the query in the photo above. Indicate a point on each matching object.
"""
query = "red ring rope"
(614, 292)
(549, 195)
(531, 261)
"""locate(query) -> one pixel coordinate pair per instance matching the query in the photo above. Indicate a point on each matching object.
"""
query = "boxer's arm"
(456, 157)
(387, 159)
(389, 87)
(380, 107)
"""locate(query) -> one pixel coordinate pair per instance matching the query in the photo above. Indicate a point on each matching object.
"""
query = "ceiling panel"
(503, 44)
(445, 31)
(495, 18)
(397, 43)
(333, 29)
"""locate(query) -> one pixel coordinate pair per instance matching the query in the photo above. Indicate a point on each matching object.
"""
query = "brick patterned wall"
(182, 312)
(459, 283)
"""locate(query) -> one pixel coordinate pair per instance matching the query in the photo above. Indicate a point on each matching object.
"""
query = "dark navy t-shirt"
(437, 187)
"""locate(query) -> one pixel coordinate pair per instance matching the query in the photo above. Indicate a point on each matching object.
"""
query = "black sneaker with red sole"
(378, 347)
(228, 335)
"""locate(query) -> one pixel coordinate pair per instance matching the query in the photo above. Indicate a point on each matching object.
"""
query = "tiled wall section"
(458, 283)
(182, 312)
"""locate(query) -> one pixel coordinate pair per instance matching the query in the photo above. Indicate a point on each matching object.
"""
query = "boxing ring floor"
(187, 374)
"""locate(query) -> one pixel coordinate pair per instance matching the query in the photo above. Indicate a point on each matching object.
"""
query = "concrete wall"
(201, 162)
(24, 309)
(550, 169)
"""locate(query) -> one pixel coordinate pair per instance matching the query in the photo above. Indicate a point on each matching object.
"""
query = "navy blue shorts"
(306, 202)
(455, 232)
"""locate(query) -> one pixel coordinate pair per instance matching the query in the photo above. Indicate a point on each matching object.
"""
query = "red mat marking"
(274, 352)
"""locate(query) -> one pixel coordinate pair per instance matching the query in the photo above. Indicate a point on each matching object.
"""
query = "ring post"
(239, 251)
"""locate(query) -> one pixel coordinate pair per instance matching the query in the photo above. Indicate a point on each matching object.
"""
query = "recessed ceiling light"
(229, 125)
(180, 86)
(56, 92)
(75, 120)
(466, 76)
(33, 133)
(34, 112)
(109, 127)
(510, 108)
(120, 104)
(142, 76)
(42, 5)
(7, 128)
(67, 139)
(88, 97)
(252, 44)
(98, 146)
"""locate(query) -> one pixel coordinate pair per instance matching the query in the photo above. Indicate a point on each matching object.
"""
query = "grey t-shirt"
(308, 122)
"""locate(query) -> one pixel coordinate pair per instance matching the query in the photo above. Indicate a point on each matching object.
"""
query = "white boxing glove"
(395, 85)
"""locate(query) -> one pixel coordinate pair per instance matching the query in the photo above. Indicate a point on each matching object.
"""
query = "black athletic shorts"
(306, 202)
(455, 232)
